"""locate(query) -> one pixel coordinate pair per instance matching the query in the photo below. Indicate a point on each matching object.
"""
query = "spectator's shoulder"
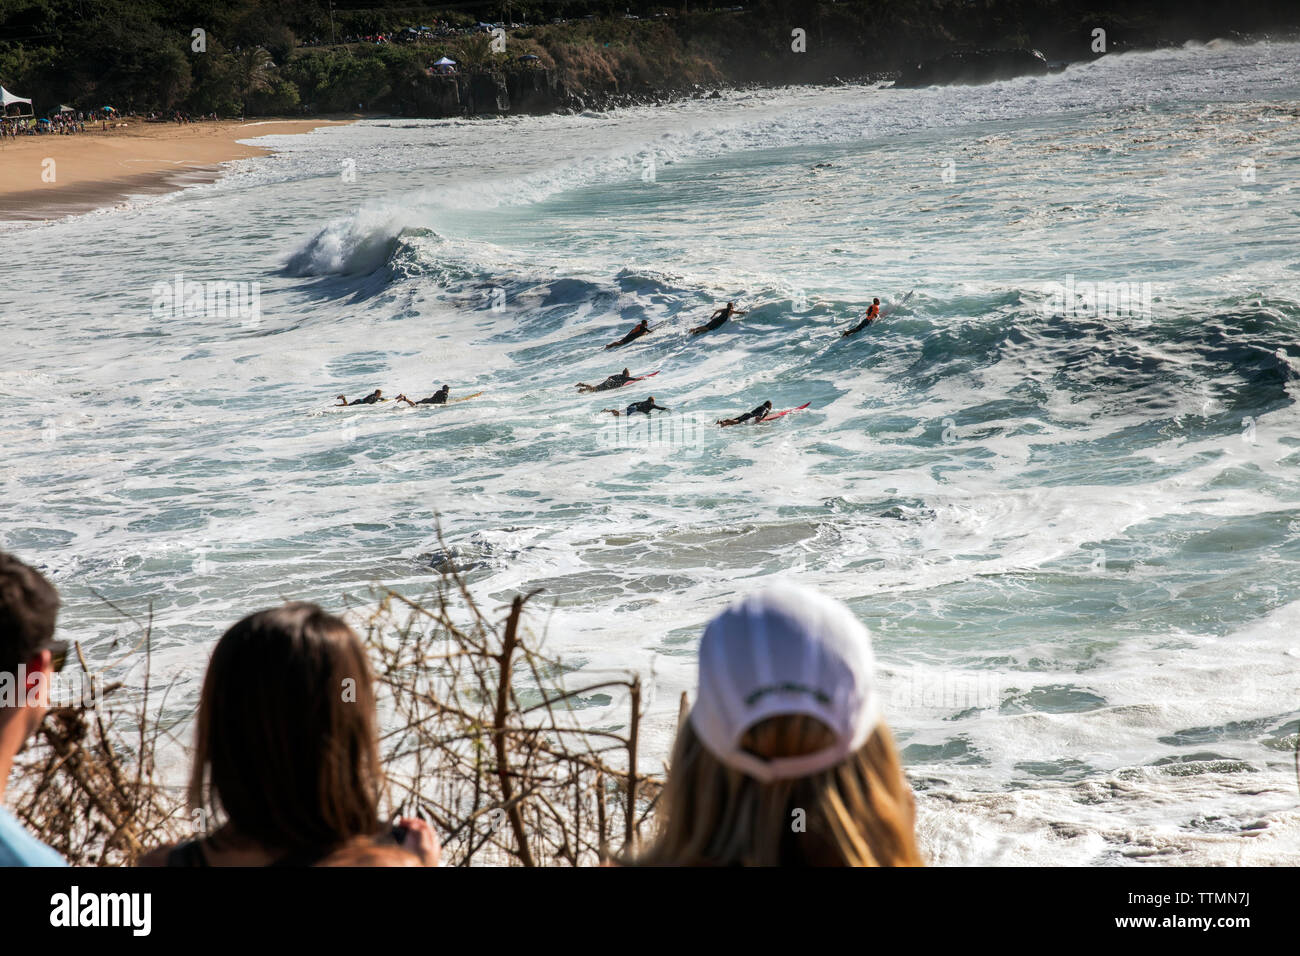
(20, 848)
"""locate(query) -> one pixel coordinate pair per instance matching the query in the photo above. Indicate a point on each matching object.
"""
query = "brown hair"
(857, 813)
(285, 742)
(29, 606)
(368, 854)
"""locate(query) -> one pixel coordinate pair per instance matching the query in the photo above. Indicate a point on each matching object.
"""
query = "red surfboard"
(786, 412)
(641, 378)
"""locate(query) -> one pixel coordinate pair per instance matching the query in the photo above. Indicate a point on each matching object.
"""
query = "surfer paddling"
(437, 398)
(647, 407)
(614, 381)
(641, 329)
(371, 399)
(757, 415)
(718, 318)
(873, 313)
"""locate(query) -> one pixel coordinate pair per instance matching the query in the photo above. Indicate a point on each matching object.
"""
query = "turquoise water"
(1073, 533)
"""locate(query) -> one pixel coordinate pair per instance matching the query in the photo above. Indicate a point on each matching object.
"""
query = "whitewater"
(1074, 532)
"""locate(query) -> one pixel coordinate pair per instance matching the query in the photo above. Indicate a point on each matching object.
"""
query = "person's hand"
(421, 840)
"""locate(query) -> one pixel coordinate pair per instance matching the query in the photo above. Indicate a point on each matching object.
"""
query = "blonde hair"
(857, 813)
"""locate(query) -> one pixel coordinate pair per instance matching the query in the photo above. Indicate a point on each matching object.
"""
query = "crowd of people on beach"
(784, 759)
(62, 124)
(70, 122)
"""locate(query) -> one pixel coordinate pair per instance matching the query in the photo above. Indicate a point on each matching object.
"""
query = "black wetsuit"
(715, 322)
(756, 415)
(437, 398)
(864, 323)
(368, 400)
(636, 333)
(646, 406)
(614, 381)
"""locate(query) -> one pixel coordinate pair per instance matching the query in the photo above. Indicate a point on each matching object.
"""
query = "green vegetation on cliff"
(311, 56)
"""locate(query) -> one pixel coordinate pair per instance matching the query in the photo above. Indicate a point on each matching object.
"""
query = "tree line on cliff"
(311, 56)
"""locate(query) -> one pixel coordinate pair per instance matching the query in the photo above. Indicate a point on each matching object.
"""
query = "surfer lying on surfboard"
(873, 313)
(641, 329)
(437, 398)
(375, 396)
(757, 415)
(614, 381)
(647, 406)
(718, 318)
(763, 413)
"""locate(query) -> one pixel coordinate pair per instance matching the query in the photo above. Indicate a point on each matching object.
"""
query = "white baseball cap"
(781, 651)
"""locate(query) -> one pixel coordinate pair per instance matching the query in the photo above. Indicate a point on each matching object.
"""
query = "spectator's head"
(28, 652)
(286, 745)
(784, 759)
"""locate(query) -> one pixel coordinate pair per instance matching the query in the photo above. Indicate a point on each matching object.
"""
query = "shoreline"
(101, 168)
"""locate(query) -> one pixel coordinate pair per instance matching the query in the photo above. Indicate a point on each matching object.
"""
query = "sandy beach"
(101, 167)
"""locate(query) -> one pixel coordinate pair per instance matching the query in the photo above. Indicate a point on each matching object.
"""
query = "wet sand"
(106, 166)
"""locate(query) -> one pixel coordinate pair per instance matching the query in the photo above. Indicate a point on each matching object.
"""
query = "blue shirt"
(20, 848)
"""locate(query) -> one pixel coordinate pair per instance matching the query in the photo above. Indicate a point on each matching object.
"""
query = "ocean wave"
(354, 245)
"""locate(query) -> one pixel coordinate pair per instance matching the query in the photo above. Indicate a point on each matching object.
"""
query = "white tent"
(445, 61)
(7, 98)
